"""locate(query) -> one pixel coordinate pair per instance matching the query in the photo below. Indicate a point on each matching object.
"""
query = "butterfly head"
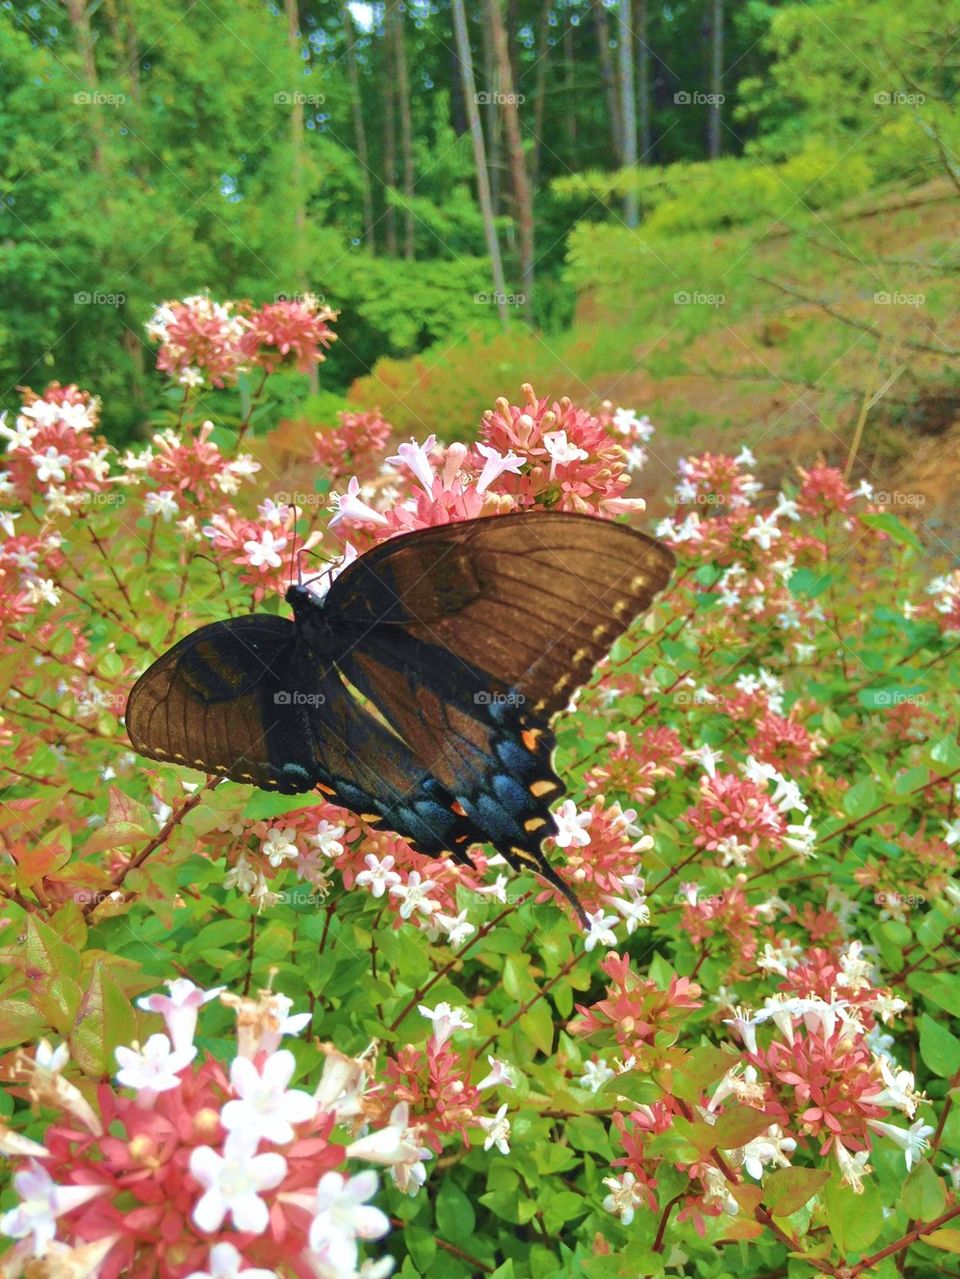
(303, 601)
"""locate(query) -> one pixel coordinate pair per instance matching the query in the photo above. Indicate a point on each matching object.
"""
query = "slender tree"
(389, 127)
(628, 106)
(715, 106)
(359, 132)
(491, 77)
(540, 89)
(465, 57)
(406, 124)
(640, 30)
(297, 162)
(522, 194)
(608, 75)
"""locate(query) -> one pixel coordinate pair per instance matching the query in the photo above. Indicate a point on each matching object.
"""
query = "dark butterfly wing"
(534, 600)
(220, 701)
(243, 700)
(479, 744)
(470, 636)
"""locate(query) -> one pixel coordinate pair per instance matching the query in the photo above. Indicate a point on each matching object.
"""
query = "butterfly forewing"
(534, 600)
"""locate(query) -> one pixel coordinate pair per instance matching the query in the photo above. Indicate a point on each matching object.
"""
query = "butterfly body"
(419, 691)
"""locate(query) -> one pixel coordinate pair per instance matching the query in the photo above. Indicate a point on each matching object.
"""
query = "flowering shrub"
(246, 1035)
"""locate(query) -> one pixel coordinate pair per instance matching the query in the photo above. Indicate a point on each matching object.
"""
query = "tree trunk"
(80, 24)
(491, 116)
(640, 29)
(540, 90)
(406, 125)
(628, 107)
(359, 132)
(479, 154)
(389, 130)
(522, 195)
(608, 76)
(715, 106)
(298, 195)
(570, 84)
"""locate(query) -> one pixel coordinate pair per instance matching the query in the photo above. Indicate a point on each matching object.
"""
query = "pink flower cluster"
(208, 343)
(720, 520)
(265, 549)
(188, 465)
(571, 460)
(535, 456)
(818, 1080)
(354, 445)
(52, 450)
(322, 840)
(29, 566)
(190, 1168)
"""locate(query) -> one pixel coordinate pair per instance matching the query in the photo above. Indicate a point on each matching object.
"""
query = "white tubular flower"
(233, 1182)
(263, 1104)
(445, 1021)
(154, 1068)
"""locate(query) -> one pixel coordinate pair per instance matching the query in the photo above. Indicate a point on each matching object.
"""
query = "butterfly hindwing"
(478, 742)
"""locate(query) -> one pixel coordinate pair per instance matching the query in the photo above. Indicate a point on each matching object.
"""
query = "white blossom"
(497, 1130)
(232, 1182)
(154, 1068)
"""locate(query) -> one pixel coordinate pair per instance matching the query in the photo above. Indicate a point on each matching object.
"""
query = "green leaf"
(887, 522)
(421, 1245)
(939, 1048)
(563, 1207)
(923, 1194)
(808, 583)
(860, 799)
(454, 1212)
(104, 1021)
(739, 1125)
(947, 1239)
(786, 1190)
(263, 804)
(537, 1024)
(854, 1220)
(946, 752)
(20, 1023)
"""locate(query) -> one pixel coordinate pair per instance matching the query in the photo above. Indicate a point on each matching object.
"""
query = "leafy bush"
(752, 1045)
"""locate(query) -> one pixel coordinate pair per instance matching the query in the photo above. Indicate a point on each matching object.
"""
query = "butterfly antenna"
(294, 554)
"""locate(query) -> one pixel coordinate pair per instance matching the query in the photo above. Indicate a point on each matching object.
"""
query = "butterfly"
(419, 691)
